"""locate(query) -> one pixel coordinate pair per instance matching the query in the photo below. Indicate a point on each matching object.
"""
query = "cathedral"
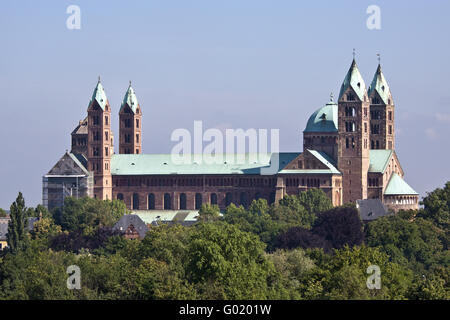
(348, 152)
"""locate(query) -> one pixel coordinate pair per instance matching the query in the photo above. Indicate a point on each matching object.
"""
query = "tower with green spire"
(382, 134)
(100, 146)
(353, 131)
(130, 127)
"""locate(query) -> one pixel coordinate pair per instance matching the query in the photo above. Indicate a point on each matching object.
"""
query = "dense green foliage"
(16, 236)
(301, 248)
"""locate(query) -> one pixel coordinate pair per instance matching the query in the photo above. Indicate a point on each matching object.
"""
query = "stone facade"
(348, 152)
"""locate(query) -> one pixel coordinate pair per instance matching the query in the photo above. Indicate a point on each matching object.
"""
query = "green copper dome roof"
(99, 95)
(398, 186)
(130, 99)
(324, 119)
(354, 80)
(379, 84)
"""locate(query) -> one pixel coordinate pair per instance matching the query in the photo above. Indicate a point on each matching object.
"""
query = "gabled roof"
(323, 158)
(131, 219)
(82, 127)
(379, 85)
(99, 95)
(324, 119)
(371, 209)
(68, 165)
(3, 228)
(326, 160)
(398, 186)
(154, 217)
(4, 221)
(162, 164)
(130, 99)
(379, 160)
(354, 80)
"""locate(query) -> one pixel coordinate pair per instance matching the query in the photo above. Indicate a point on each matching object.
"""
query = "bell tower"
(353, 131)
(381, 113)
(100, 143)
(130, 127)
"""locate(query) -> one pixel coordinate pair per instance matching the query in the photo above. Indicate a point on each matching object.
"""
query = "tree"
(208, 212)
(227, 263)
(256, 219)
(154, 280)
(301, 210)
(296, 237)
(293, 267)
(417, 244)
(17, 227)
(88, 214)
(2, 213)
(39, 212)
(340, 226)
(345, 275)
(315, 200)
(434, 285)
(437, 207)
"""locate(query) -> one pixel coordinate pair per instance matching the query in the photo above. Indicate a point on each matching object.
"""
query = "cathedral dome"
(324, 119)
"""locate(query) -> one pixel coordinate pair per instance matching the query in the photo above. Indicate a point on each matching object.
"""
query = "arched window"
(120, 196)
(244, 199)
(213, 198)
(151, 201)
(183, 205)
(228, 199)
(272, 198)
(198, 201)
(167, 202)
(135, 201)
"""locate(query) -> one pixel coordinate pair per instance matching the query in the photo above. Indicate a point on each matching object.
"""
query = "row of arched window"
(308, 182)
(192, 182)
(244, 200)
(373, 182)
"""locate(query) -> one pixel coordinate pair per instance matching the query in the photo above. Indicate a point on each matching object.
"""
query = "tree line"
(300, 248)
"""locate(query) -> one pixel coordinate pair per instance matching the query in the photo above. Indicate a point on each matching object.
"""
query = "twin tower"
(362, 121)
(94, 138)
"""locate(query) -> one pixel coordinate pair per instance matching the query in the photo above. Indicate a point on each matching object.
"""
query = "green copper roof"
(379, 160)
(162, 164)
(324, 119)
(130, 99)
(398, 186)
(379, 84)
(354, 80)
(99, 95)
(151, 216)
(326, 160)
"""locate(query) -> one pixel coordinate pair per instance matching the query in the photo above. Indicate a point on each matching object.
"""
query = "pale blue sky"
(235, 63)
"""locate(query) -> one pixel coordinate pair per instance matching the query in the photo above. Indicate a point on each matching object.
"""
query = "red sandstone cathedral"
(348, 152)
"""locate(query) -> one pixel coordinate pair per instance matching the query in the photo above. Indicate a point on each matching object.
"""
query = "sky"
(231, 64)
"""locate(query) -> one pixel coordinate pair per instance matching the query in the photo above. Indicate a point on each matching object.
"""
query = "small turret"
(130, 116)
(381, 113)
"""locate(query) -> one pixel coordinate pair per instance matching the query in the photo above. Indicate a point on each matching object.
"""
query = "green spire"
(354, 80)
(130, 99)
(379, 85)
(99, 95)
